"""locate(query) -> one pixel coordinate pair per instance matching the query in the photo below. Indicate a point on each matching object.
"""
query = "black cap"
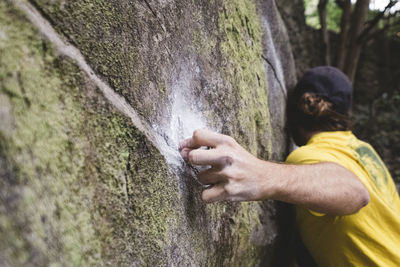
(330, 83)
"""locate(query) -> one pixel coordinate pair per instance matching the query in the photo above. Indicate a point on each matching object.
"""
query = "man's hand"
(234, 173)
(237, 175)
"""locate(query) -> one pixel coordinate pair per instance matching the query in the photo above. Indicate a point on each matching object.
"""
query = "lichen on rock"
(73, 164)
(242, 48)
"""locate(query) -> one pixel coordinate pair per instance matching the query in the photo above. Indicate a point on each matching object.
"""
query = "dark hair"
(315, 113)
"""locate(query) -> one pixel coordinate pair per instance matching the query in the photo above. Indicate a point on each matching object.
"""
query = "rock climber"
(347, 206)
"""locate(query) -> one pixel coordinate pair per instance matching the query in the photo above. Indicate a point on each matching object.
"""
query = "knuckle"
(228, 140)
(205, 197)
(196, 134)
(224, 173)
(227, 160)
(192, 156)
(231, 189)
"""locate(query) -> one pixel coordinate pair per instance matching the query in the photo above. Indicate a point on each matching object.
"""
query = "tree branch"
(378, 32)
(344, 30)
(340, 3)
(372, 23)
(366, 33)
(324, 31)
(354, 48)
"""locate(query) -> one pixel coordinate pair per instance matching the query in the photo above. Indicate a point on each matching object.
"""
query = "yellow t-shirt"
(370, 237)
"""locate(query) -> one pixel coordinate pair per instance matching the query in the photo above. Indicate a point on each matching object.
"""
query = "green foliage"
(394, 31)
(333, 15)
(390, 18)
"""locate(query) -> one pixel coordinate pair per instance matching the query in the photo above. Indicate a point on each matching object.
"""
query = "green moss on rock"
(242, 47)
(82, 185)
(50, 213)
(110, 34)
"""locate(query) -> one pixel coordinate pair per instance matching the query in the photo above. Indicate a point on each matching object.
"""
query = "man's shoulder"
(325, 146)
(309, 154)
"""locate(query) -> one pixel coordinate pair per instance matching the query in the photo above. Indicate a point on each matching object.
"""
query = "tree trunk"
(324, 32)
(353, 53)
(343, 38)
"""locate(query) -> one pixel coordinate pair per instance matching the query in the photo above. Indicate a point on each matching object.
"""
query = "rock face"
(94, 98)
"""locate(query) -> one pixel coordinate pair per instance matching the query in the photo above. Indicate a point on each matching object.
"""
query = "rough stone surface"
(82, 184)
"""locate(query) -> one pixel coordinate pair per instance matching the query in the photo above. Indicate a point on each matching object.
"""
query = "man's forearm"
(237, 175)
(323, 187)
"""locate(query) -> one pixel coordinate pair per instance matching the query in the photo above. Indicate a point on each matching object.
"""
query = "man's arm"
(237, 175)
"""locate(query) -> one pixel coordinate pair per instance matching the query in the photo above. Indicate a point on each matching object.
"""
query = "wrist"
(274, 179)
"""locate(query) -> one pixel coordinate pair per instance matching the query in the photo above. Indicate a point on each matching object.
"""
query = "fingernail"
(185, 155)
